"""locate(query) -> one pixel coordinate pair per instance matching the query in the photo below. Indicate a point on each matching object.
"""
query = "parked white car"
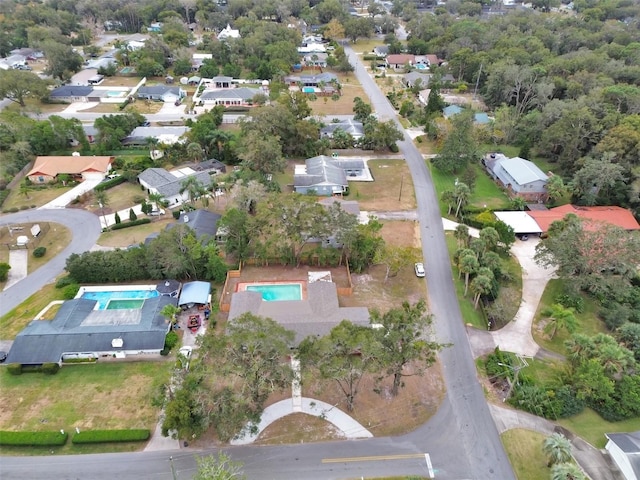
(419, 268)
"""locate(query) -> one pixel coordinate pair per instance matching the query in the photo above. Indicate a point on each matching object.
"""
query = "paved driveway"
(67, 197)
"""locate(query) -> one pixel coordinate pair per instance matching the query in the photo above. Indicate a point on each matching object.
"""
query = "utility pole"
(475, 90)
(516, 370)
(401, 183)
(173, 469)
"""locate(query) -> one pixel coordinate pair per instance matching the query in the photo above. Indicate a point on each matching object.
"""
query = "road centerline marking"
(375, 458)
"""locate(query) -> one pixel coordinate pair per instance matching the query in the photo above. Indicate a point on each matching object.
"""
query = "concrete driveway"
(67, 197)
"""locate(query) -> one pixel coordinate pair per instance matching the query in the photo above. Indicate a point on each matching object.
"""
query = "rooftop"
(593, 216)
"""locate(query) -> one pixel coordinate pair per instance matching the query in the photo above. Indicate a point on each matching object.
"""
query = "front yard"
(96, 396)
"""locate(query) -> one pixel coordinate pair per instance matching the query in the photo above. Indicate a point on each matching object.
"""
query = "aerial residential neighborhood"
(319, 239)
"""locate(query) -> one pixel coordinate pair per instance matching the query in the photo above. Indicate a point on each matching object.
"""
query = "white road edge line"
(427, 458)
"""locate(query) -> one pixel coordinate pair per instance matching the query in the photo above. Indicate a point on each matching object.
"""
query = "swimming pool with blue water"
(274, 292)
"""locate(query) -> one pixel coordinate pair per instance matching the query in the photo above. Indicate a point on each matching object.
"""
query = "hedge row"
(33, 439)
(102, 436)
(141, 221)
(49, 368)
(110, 183)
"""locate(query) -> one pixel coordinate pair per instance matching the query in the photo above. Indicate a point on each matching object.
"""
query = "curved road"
(461, 439)
(85, 228)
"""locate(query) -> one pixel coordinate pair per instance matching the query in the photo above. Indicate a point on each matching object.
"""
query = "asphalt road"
(461, 439)
(85, 228)
(478, 439)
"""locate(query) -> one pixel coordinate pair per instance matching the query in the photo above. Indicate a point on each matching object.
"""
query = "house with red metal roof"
(591, 216)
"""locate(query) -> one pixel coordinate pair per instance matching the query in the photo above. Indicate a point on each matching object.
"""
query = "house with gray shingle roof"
(412, 79)
(521, 177)
(71, 93)
(624, 449)
(203, 223)
(311, 80)
(242, 96)
(167, 184)
(79, 330)
(323, 175)
(161, 93)
(353, 128)
(314, 315)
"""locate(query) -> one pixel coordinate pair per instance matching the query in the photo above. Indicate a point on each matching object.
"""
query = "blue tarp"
(195, 293)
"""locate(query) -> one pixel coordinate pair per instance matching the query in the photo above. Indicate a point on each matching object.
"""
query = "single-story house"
(228, 32)
(312, 47)
(203, 223)
(353, 128)
(349, 206)
(72, 93)
(13, 61)
(220, 82)
(592, 216)
(194, 80)
(161, 93)
(102, 62)
(624, 449)
(169, 184)
(28, 53)
(311, 80)
(79, 330)
(133, 45)
(316, 60)
(164, 135)
(325, 175)
(414, 78)
(398, 61)
(429, 60)
(46, 169)
(381, 50)
(195, 293)
(242, 96)
(521, 177)
(212, 165)
(316, 314)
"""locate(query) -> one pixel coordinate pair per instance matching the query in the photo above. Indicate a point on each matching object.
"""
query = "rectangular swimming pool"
(120, 297)
(274, 292)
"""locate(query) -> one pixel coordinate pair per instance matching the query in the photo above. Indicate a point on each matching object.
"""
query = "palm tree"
(194, 151)
(480, 285)
(559, 317)
(468, 264)
(461, 193)
(567, 471)
(157, 199)
(170, 312)
(24, 189)
(103, 201)
(193, 187)
(447, 196)
(462, 235)
(557, 448)
(518, 203)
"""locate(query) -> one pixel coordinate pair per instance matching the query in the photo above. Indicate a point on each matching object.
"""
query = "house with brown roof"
(398, 61)
(89, 167)
(592, 216)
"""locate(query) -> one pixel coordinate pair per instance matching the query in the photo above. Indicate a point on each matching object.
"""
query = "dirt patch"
(299, 428)
(392, 189)
(351, 89)
(401, 233)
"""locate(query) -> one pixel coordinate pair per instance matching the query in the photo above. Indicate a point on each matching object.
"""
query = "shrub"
(569, 300)
(4, 271)
(171, 340)
(132, 215)
(117, 219)
(140, 221)
(39, 252)
(70, 291)
(80, 360)
(176, 214)
(394, 148)
(103, 436)
(24, 207)
(14, 369)
(110, 183)
(164, 352)
(14, 210)
(64, 281)
(50, 368)
(33, 439)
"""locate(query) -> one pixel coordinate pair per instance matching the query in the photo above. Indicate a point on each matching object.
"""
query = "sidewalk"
(66, 198)
(349, 427)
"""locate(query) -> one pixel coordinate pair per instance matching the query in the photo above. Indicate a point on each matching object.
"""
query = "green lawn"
(588, 321)
(591, 427)
(543, 372)
(524, 449)
(19, 317)
(486, 193)
(104, 396)
(469, 314)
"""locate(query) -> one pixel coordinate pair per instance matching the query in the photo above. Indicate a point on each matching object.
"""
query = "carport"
(194, 293)
(521, 222)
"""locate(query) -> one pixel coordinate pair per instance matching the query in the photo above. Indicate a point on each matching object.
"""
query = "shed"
(194, 293)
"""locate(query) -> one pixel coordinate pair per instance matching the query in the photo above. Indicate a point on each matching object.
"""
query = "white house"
(13, 61)
(169, 184)
(624, 449)
(228, 32)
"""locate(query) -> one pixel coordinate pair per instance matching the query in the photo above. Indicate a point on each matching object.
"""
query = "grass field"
(119, 197)
(103, 396)
(485, 194)
(19, 317)
(392, 189)
(134, 235)
(524, 449)
(351, 89)
(591, 427)
(55, 240)
(37, 196)
(588, 321)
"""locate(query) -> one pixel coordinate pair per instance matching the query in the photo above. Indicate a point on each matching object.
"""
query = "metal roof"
(195, 292)
(521, 170)
(521, 222)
